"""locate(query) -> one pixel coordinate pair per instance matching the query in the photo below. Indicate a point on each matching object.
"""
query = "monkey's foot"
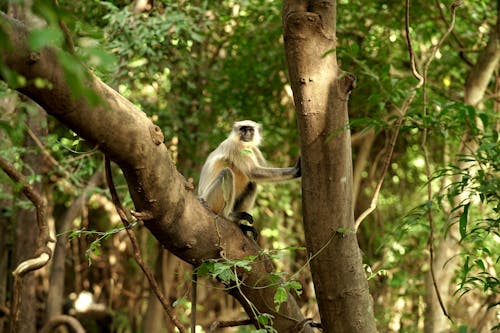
(247, 228)
(243, 216)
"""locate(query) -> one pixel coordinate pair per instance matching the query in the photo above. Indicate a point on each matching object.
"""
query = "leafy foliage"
(196, 66)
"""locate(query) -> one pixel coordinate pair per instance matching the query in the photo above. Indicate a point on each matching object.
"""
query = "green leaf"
(296, 286)
(13, 79)
(39, 38)
(264, 319)
(178, 301)
(280, 296)
(480, 263)
(246, 151)
(97, 57)
(463, 221)
(205, 268)
(345, 231)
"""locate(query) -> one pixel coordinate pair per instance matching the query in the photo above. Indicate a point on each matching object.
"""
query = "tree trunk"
(171, 212)
(321, 92)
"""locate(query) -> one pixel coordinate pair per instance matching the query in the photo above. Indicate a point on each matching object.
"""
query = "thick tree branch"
(174, 215)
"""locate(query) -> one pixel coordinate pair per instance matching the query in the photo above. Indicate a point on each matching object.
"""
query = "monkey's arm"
(263, 174)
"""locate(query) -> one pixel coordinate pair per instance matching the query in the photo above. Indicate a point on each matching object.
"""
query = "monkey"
(229, 177)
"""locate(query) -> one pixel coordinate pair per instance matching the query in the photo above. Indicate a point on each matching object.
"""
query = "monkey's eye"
(246, 129)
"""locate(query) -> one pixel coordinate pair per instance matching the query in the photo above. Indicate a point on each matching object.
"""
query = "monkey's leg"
(221, 200)
(245, 202)
(248, 228)
(238, 216)
(220, 194)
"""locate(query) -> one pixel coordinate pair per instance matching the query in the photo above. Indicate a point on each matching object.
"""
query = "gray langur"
(229, 177)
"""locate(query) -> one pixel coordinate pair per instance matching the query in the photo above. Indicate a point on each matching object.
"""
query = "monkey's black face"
(246, 133)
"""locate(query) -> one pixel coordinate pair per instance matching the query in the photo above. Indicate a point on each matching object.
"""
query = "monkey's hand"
(298, 173)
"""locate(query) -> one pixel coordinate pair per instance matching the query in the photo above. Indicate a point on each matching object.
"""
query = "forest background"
(194, 67)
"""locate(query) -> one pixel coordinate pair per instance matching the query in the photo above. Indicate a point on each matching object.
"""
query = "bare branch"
(230, 323)
(404, 108)
(423, 146)
(410, 47)
(54, 322)
(45, 244)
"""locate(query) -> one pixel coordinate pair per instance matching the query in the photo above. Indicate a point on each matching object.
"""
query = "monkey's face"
(247, 132)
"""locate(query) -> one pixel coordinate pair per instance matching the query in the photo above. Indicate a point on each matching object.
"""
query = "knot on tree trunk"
(347, 82)
(156, 134)
(305, 25)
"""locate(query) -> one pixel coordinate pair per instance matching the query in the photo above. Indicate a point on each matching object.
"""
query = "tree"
(150, 174)
(425, 158)
(321, 92)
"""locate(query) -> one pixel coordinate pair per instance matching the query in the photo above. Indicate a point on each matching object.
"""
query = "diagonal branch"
(172, 213)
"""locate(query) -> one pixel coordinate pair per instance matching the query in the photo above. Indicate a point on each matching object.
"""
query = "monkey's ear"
(259, 128)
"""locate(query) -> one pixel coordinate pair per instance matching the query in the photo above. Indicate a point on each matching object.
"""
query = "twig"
(461, 45)
(387, 162)
(45, 243)
(49, 157)
(410, 47)
(399, 122)
(194, 285)
(67, 34)
(425, 152)
(137, 252)
(230, 323)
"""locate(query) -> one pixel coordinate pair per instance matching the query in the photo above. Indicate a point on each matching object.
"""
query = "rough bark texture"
(321, 92)
(176, 217)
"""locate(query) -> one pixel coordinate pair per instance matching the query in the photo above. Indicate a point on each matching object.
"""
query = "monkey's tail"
(194, 284)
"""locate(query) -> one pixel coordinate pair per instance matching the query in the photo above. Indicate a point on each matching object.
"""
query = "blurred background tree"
(194, 67)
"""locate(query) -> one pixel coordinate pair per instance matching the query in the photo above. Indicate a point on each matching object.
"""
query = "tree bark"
(172, 213)
(321, 92)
